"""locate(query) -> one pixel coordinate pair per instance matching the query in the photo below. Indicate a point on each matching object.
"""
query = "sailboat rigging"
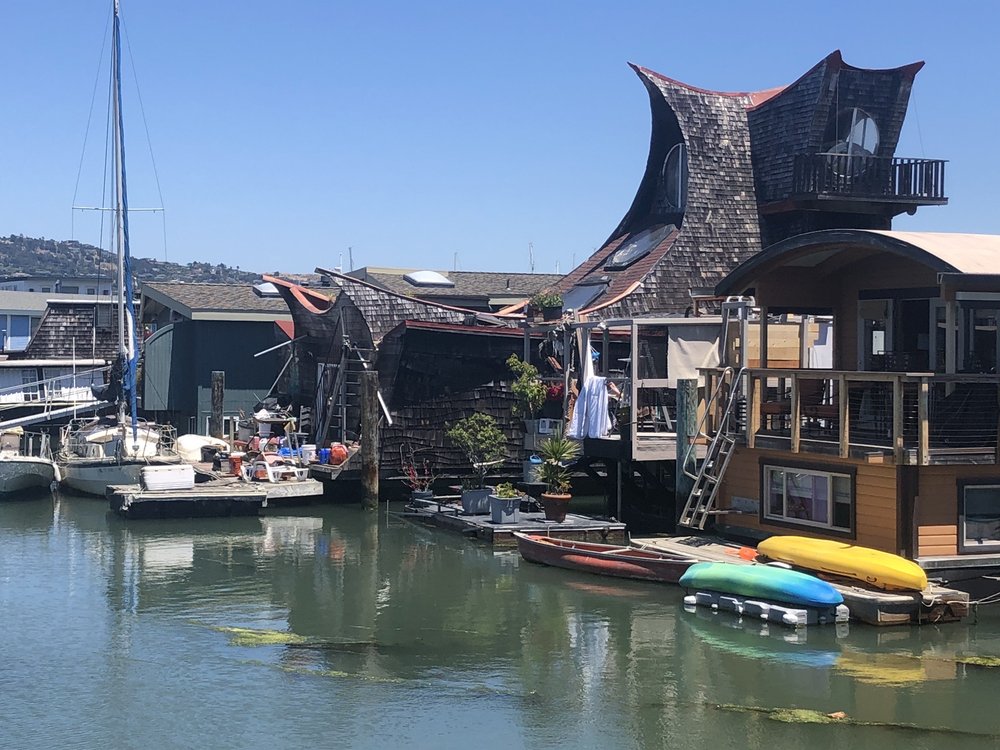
(99, 452)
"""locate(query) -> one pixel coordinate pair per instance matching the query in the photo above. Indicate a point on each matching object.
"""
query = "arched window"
(852, 133)
(675, 177)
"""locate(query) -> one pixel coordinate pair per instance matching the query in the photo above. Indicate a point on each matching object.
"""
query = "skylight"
(266, 289)
(428, 278)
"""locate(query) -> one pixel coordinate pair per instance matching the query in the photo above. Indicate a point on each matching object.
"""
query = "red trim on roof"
(287, 327)
(319, 303)
(423, 325)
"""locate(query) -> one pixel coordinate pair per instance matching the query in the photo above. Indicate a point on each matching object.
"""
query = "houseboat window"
(639, 245)
(582, 295)
(808, 497)
(979, 524)
(675, 177)
(851, 136)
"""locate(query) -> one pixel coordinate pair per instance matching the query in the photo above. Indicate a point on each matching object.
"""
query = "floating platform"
(501, 535)
(935, 604)
(225, 496)
(788, 615)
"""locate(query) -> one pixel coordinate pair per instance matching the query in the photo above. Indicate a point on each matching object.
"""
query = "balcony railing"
(906, 418)
(869, 177)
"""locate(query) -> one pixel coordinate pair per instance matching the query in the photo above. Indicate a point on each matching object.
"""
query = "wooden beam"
(687, 426)
(215, 420)
(844, 414)
(923, 409)
(897, 420)
(796, 415)
(753, 416)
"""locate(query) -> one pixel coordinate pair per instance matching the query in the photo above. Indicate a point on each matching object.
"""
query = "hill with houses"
(30, 256)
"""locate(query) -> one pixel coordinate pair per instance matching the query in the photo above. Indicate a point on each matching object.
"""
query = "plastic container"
(236, 464)
(338, 454)
(308, 452)
(324, 455)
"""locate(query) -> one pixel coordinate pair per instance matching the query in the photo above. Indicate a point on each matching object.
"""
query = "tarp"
(690, 347)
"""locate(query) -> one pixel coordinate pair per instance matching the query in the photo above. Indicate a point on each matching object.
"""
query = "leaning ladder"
(707, 478)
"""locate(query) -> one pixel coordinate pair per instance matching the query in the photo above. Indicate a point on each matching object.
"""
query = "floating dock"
(225, 496)
(872, 606)
(501, 535)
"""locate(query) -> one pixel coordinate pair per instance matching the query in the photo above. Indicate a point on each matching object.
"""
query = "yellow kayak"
(879, 569)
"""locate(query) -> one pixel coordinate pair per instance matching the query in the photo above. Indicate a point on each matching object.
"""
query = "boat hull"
(764, 582)
(93, 476)
(21, 473)
(882, 570)
(602, 559)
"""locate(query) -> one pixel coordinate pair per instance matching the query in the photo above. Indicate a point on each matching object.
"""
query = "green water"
(330, 627)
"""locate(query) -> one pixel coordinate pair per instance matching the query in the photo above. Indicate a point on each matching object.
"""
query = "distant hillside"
(28, 256)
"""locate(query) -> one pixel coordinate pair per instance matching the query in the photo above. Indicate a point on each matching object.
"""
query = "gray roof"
(489, 284)
(29, 302)
(204, 300)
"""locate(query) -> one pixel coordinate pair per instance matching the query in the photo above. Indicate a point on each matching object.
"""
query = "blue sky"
(436, 134)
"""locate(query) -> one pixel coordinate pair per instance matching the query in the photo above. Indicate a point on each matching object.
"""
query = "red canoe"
(604, 559)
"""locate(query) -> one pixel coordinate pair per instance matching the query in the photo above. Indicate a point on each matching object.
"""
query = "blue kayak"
(761, 582)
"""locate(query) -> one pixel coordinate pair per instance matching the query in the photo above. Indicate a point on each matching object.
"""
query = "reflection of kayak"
(757, 646)
(606, 559)
(761, 582)
(879, 569)
(887, 669)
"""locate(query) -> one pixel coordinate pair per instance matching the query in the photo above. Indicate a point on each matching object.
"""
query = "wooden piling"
(369, 439)
(687, 426)
(218, 399)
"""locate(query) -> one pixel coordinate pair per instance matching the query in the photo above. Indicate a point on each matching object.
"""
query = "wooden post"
(897, 420)
(844, 414)
(796, 415)
(369, 439)
(753, 404)
(218, 399)
(687, 425)
(923, 425)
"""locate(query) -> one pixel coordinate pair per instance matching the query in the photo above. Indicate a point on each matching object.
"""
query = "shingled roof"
(206, 301)
(75, 328)
(476, 289)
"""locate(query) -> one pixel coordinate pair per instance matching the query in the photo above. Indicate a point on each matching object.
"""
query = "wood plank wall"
(937, 505)
(875, 495)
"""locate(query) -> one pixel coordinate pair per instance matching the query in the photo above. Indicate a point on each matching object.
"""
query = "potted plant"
(528, 389)
(484, 445)
(549, 302)
(418, 475)
(505, 501)
(557, 453)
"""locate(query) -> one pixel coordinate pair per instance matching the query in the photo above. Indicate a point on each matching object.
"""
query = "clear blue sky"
(285, 132)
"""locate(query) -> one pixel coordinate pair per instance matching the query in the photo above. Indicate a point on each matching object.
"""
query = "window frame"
(848, 472)
(960, 514)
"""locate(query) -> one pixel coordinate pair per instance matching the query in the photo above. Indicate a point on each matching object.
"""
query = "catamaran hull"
(92, 477)
(21, 473)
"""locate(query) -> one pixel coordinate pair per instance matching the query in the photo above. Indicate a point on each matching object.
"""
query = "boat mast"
(126, 315)
(116, 114)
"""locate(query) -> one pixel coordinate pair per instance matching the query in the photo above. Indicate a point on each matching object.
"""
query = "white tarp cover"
(690, 347)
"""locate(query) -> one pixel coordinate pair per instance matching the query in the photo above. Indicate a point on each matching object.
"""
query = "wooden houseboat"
(893, 443)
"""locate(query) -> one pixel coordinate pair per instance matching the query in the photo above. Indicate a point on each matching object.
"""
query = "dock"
(935, 604)
(219, 497)
(501, 535)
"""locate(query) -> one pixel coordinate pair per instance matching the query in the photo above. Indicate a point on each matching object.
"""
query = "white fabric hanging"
(590, 416)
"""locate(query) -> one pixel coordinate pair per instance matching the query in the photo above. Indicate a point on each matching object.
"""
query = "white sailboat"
(25, 462)
(100, 451)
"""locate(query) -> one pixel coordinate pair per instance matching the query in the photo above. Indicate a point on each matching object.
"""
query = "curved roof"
(942, 252)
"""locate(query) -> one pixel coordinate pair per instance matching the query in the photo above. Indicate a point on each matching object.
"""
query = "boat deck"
(872, 606)
(501, 535)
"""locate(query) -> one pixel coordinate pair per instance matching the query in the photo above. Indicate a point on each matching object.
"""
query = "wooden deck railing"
(869, 177)
(915, 418)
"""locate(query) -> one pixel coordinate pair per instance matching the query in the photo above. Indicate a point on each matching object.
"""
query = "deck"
(934, 605)
(575, 527)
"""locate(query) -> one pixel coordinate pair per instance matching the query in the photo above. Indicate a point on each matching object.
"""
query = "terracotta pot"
(555, 506)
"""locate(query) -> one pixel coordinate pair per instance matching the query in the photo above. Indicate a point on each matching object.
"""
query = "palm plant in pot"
(557, 453)
(484, 445)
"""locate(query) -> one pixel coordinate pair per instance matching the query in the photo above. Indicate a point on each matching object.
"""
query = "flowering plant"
(417, 475)
(555, 392)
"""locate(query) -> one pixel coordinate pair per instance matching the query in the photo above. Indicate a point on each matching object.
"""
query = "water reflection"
(397, 625)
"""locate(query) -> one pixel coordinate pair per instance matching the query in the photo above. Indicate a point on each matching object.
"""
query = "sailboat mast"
(119, 158)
